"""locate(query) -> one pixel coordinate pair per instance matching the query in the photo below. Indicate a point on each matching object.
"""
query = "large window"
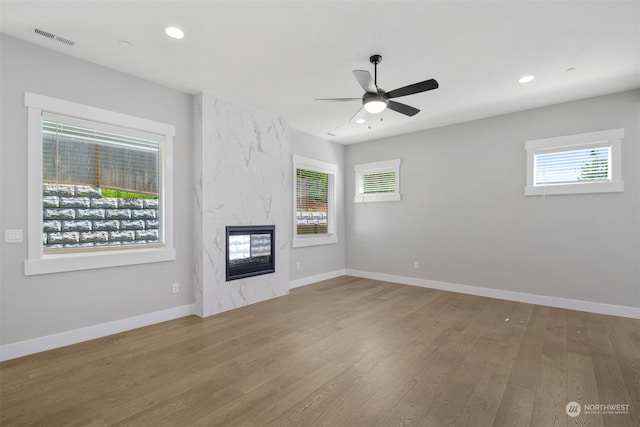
(378, 181)
(314, 202)
(582, 163)
(100, 188)
(100, 185)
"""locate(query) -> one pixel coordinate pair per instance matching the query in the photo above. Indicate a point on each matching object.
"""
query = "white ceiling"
(279, 56)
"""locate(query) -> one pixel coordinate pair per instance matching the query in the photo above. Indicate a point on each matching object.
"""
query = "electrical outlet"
(297, 266)
(175, 288)
(416, 264)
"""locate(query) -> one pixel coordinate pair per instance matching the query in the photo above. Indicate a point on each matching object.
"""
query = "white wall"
(243, 177)
(317, 261)
(464, 218)
(38, 306)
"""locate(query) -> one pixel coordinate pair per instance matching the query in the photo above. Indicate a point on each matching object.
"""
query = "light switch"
(13, 236)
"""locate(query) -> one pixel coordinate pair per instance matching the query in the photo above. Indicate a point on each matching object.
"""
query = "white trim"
(382, 165)
(68, 108)
(58, 263)
(579, 188)
(309, 280)
(331, 169)
(605, 138)
(314, 165)
(39, 263)
(313, 240)
(376, 167)
(570, 304)
(34, 183)
(36, 345)
(575, 139)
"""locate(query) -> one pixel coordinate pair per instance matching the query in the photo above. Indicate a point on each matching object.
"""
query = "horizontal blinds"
(93, 136)
(314, 194)
(573, 166)
(83, 155)
(379, 182)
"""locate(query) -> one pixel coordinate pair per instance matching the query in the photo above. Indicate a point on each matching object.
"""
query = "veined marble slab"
(243, 177)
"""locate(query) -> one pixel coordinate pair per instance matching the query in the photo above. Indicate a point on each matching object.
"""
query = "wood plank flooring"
(343, 352)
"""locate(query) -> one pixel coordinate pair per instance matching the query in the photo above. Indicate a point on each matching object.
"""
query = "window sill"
(599, 187)
(88, 261)
(366, 198)
(301, 242)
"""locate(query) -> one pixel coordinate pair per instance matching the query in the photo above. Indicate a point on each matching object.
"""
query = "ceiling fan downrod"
(375, 60)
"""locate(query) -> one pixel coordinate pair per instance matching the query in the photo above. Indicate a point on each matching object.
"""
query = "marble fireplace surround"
(242, 169)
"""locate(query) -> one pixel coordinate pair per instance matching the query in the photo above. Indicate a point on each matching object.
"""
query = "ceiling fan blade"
(364, 78)
(338, 99)
(405, 109)
(359, 115)
(414, 88)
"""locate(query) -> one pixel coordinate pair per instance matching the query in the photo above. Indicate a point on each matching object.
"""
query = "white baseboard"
(570, 304)
(36, 345)
(317, 278)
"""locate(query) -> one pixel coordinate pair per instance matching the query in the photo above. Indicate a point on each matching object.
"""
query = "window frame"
(606, 138)
(330, 169)
(376, 167)
(39, 262)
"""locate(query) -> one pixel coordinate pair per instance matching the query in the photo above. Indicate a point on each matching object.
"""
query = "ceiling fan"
(375, 100)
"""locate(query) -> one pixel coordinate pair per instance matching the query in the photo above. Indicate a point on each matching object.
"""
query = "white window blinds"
(314, 194)
(378, 181)
(78, 152)
(573, 166)
(314, 202)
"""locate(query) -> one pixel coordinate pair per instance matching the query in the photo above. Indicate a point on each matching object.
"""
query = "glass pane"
(379, 183)
(99, 188)
(568, 167)
(312, 200)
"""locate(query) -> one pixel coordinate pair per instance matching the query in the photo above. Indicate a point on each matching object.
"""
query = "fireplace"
(250, 251)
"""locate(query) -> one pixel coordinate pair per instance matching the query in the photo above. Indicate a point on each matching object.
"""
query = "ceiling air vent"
(54, 37)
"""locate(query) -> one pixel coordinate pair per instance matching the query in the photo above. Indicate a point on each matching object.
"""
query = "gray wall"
(464, 218)
(315, 260)
(37, 306)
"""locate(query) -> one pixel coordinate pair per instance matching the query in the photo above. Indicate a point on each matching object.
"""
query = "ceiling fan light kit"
(375, 100)
(374, 104)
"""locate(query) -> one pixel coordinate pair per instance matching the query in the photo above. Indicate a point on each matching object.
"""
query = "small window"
(377, 182)
(314, 202)
(574, 164)
(100, 188)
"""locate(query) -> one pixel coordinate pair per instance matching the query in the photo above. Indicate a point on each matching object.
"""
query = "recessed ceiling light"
(174, 32)
(360, 121)
(526, 79)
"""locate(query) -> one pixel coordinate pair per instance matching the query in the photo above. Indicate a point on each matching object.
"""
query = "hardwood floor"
(343, 352)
